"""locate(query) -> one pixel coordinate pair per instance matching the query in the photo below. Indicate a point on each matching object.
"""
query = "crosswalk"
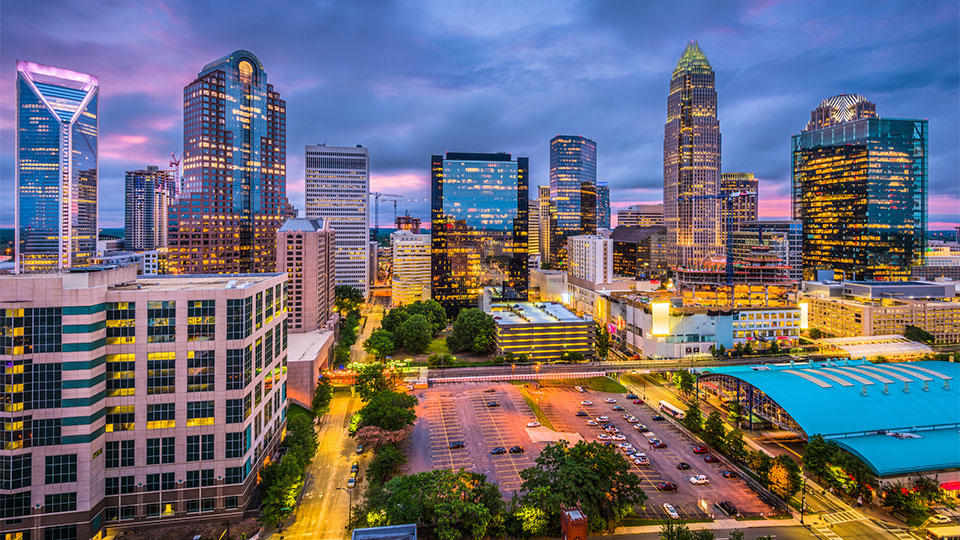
(824, 532)
(844, 516)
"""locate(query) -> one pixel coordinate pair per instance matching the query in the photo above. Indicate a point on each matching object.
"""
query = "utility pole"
(350, 507)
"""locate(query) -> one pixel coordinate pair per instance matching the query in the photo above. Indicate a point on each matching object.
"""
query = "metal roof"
(874, 346)
(898, 417)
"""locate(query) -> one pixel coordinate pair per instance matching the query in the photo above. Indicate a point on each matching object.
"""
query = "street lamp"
(803, 494)
(350, 507)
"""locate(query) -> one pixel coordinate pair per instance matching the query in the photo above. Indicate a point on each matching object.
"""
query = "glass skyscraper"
(739, 194)
(860, 190)
(57, 156)
(603, 206)
(573, 172)
(234, 171)
(149, 193)
(479, 207)
(691, 162)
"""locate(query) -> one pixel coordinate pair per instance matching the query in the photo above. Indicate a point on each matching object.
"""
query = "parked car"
(671, 511)
(457, 444)
(586, 402)
(533, 424)
(493, 404)
(710, 458)
(700, 449)
(728, 508)
(517, 450)
(624, 445)
(498, 450)
(581, 413)
(640, 427)
(602, 419)
(939, 519)
(617, 408)
(618, 437)
(355, 467)
(638, 402)
(603, 437)
(610, 400)
(611, 429)
(352, 481)
(666, 486)
(683, 466)
(728, 474)
(631, 396)
(359, 448)
(489, 390)
(699, 480)
(658, 417)
(592, 423)
(642, 462)
(579, 389)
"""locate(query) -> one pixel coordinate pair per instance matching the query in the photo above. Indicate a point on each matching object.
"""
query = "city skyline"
(774, 64)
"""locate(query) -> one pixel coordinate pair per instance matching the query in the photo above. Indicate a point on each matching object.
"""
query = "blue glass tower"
(603, 206)
(57, 155)
(573, 171)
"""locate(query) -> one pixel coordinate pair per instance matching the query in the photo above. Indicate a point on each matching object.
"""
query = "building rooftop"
(533, 313)
(692, 59)
(635, 233)
(195, 282)
(874, 346)
(304, 347)
(301, 225)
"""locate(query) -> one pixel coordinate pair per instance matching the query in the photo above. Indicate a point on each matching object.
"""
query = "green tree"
(817, 455)
(300, 440)
(815, 333)
(348, 335)
(693, 419)
(380, 344)
(473, 331)
(394, 318)
(433, 311)
(678, 531)
(341, 354)
(784, 477)
(915, 333)
(722, 351)
(413, 334)
(371, 380)
(748, 349)
(735, 413)
(347, 298)
(322, 396)
(593, 474)
(683, 380)
(734, 445)
(438, 360)
(713, 430)
(386, 461)
(735, 534)
(760, 463)
(388, 410)
(602, 341)
(280, 482)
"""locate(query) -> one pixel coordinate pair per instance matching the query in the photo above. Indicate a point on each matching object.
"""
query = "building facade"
(479, 205)
(338, 191)
(408, 223)
(603, 206)
(639, 252)
(234, 195)
(411, 267)
(739, 193)
(547, 222)
(860, 189)
(573, 174)
(131, 401)
(590, 258)
(783, 237)
(640, 215)
(533, 228)
(57, 167)
(691, 162)
(305, 252)
(149, 193)
(542, 331)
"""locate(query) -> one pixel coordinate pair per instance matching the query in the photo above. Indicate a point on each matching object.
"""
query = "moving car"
(631, 396)
(586, 402)
(666, 486)
(592, 423)
(640, 427)
(610, 400)
(533, 424)
(728, 474)
(517, 450)
(728, 508)
(658, 418)
(493, 404)
(683, 466)
(700, 449)
(579, 389)
(457, 444)
(699, 480)
(498, 450)
(671, 511)
(657, 443)
(581, 413)
(710, 458)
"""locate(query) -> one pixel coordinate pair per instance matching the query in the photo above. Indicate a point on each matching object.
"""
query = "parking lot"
(460, 412)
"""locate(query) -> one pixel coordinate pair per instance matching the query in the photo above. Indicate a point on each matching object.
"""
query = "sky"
(412, 79)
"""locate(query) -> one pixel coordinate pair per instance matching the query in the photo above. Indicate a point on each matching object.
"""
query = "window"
(230, 502)
(111, 486)
(15, 505)
(120, 418)
(167, 481)
(43, 386)
(268, 348)
(200, 365)
(206, 447)
(161, 373)
(119, 454)
(121, 373)
(61, 532)
(32, 330)
(60, 502)
(234, 445)
(234, 411)
(161, 415)
(153, 482)
(238, 368)
(269, 304)
(234, 475)
(199, 413)
(161, 450)
(161, 321)
(61, 469)
(201, 322)
(259, 355)
(206, 477)
(206, 505)
(193, 479)
(16, 471)
(259, 320)
(239, 318)
(121, 322)
(127, 485)
(193, 505)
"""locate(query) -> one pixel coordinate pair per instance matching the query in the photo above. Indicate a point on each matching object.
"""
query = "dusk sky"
(411, 79)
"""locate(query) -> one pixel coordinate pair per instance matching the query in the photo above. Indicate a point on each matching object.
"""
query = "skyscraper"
(338, 190)
(860, 190)
(642, 215)
(149, 193)
(533, 228)
(57, 138)
(573, 181)
(603, 206)
(411, 267)
(305, 253)
(738, 194)
(546, 223)
(691, 162)
(234, 171)
(478, 227)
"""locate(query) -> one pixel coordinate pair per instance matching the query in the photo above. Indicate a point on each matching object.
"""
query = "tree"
(734, 445)
(437, 360)
(693, 419)
(279, 484)
(735, 534)
(817, 454)
(748, 349)
(678, 531)
(380, 344)
(473, 331)
(602, 341)
(392, 320)
(433, 311)
(915, 333)
(388, 410)
(341, 354)
(347, 298)
(413, 334)
(301, 440)
(683, 380)
(375, 437)
(387, 460)
(815, 333)
(594, 475)
(722, 351)
(370, 380)
(713, 430)
(784, 477)
(760, 463)
(322, 396)
(529, 521)
(735, 413)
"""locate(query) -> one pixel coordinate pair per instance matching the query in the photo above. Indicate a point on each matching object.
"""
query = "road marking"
(826, 533)
(845, 516)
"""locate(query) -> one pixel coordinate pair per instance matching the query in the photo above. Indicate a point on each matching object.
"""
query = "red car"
(659, 444)
(700, 449)
(638, 402)
(710, 458)
(666, 486)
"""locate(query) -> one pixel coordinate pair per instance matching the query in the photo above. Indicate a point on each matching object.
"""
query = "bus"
(951, 532)
(671, 410)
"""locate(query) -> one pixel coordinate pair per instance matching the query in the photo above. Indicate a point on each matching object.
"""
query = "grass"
(537, 411)
(438, 346)
(597, 384)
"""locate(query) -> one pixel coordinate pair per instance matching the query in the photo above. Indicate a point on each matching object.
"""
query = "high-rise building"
(590, 258)
(305, 249)
(411, 267)
(56, 171)
(639, 252)
(338, 190)
(739, 194)
(533, 228)
(225, 219)
(149, 193)
(479, 227)
(784, 239)
(860, 189)
(691, 162)
(408, 223)
(546, 223)
(603, 206)
(136, 401)
(573, 183)
(640, 215)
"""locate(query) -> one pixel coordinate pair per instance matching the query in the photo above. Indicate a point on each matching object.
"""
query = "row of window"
(167, 481)
(192, 506)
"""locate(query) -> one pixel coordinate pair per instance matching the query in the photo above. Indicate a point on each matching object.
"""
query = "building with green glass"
(859, 187)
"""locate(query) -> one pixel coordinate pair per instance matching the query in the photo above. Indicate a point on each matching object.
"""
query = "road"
(371, 315)
(322, 514)
(777, 533)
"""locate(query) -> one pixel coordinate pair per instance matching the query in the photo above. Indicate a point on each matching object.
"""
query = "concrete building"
(939, 262)
(548, 286)
(149, 193)
(305, 251)
(543, 331)
(411, 267)
(338, 191)
(533, 228)
(137, 401)
(408, 223)
(640, 215)
(639, 252)
(590, 258)
(784, 238)
(739, 194)
(547, 222)
(856, 308)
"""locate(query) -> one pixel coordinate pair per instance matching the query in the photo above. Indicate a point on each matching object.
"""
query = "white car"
(624, 445)
(592, 423)
(610, 400)
(617, 438)
(603, 419)
(533, 424)
(579, 389)
(699, 480)
(586, 402)
(939, 519)
(641, 462)
(638, 427)
(671, 511)
(603, 437)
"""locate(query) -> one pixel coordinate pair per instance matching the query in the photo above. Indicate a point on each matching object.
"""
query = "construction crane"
(175, 163)
(376, 212)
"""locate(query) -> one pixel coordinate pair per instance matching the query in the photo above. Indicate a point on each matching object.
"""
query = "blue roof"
(850, 402)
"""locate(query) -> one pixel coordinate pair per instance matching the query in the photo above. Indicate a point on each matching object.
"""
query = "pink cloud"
(126, 148)
(405, 184)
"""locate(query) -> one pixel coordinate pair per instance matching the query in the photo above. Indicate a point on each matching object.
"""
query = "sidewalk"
(719, 524)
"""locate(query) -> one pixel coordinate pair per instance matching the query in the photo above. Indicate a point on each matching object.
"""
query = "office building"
(408, 223)
(56, 170)
(639, 252)
(640, 215)
(542, 331)
(547, 222)
(305, 251)
(590, 258)
(573, 185)
(234, 199)
(149, 193)
(939, 262)
(411, 267)
(479, 206)
(691, 162)
(533, 228)
(860, 189)
(603, 206)
(137, 401)
(739, 194)
(338, 191)
(782, 237)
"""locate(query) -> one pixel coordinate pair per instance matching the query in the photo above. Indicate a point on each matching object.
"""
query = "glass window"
(121, 322)
(239, 318)
(111, 486)
(161, 373)
(206, 477)
(30, 330)
(238, 368)
(161, 415)
(119, 454)
(200, 371)
(43, 386)
(199, 413)
(121, 374)
(235, 411)
(161, 321)
(234, 475)
(120, 418)
(201, 320)
(60, 532)
(193, 479)
(127, 484)
(61, 469)
(16, 471)
(60, 502)
(234, 445)
(193, 448)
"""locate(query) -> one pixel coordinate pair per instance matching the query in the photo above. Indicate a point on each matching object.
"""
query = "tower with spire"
(691, 162)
